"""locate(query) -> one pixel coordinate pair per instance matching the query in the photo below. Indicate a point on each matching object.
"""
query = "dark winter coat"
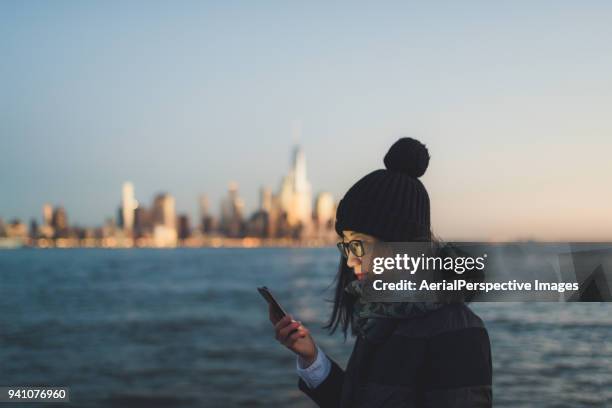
(440, 360)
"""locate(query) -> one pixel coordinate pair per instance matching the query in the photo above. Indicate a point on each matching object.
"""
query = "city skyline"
(288, 215)
(127, 199)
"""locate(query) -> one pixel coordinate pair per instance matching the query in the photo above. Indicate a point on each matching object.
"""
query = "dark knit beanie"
(390, 204)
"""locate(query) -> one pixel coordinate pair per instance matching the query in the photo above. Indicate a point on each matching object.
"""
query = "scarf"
(376, 320)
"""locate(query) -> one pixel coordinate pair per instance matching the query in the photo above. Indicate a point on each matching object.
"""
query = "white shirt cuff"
(317, 372)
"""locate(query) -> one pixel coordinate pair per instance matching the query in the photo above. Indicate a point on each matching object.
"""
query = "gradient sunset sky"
(513, 100)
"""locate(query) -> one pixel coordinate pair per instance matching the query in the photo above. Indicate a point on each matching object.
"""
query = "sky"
(513, 101)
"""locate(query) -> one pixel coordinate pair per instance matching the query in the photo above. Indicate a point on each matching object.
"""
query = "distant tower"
(184, 228)
(232, 208)
(34, 230)
(164, 212)
(303, 193)
(296, 193)
(128, 205)
(325, 210)
(164, 221)
(46, 228)
(47, 211)
(206, 220)
(59, 222)
(143, 224)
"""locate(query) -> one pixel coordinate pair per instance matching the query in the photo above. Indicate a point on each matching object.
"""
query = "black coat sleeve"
(328, 393)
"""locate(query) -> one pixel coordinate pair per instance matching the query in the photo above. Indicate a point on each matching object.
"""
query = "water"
(186, 328)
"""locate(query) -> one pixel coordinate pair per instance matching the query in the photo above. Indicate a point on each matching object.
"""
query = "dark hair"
(342, 311)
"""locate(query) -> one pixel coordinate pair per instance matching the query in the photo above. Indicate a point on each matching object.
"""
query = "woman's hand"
(293, 335)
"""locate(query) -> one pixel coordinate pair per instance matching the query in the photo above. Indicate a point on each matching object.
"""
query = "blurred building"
(128, 205)
(295, 192)
(164, 211)
(232, 208)
(259, 224)
(109, 230)
(34, 229)
(46, 229)
(325, 217)
(184, 229)
(16, 229)
(207, 224)
(47, 211)
(164, 221)
(278, 224)
(59, 222)
(143, 223)
(325, 210)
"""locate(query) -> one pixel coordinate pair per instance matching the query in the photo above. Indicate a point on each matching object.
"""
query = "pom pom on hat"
(407, 156)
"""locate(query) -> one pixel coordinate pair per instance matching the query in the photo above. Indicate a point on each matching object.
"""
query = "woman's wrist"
(306, 360)
(315, 373)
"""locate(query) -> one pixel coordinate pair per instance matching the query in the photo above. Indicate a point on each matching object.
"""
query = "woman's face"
(353, 261)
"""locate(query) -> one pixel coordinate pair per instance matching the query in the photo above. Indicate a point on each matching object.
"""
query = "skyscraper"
(325, 210)
(206, 220)
(163, 211)
(296, 192)
(46, 229)
(184, 228)
(164, 221)
(128, 205)
(143, 225)
(47, 214)
(232, 209)
(59, 222)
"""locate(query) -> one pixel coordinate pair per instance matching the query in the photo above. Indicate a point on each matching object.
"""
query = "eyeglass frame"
(345, 247)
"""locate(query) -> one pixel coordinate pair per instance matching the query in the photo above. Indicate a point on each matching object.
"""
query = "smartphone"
(277, 310)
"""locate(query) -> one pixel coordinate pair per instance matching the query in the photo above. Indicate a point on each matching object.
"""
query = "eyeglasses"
(355, 246)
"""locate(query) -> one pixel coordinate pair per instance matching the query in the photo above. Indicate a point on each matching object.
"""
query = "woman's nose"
(353, 261)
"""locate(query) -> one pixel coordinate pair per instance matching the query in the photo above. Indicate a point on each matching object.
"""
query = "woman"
(405, 354)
